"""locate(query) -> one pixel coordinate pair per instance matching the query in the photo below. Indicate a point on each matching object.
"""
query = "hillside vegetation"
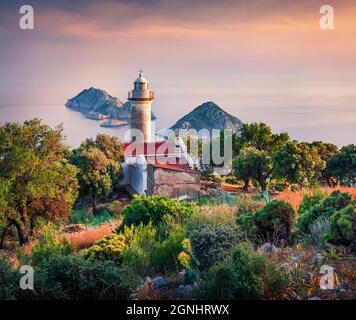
(267, 231)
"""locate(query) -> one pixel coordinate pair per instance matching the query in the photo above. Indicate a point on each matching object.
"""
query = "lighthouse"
(141, 99)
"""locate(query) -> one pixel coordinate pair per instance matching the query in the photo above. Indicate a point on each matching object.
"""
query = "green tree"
(297, 163)
(35, 179)
(342, 166)
(254, 164)
(94, 177)
(260, 136)
(325, 151)
(99, 164)
(112, 148)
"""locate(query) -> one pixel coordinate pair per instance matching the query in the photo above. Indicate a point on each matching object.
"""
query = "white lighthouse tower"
(141, 99)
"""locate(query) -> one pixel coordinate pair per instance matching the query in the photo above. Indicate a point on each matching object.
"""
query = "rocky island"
(97, 104)
(208, 116)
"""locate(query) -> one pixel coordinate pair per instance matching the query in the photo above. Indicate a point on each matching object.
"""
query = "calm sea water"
(305, 124)
(76, 126)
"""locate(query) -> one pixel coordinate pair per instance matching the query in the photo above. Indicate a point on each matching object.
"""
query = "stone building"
(155, 167)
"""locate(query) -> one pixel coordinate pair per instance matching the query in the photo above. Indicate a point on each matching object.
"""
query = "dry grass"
(86, 238)
(295, 198)
(83, 239)
(222, 213)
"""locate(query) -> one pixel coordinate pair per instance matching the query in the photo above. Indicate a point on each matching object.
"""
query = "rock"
(133, 296)
(158, 282)
(180, 290)
(341, 287)
(208, 116)
(181, 275)
(317, 259)
(184, 291)
(147, 280)
(314, 298)
(195, 285)
(267, 248)
(188, 289)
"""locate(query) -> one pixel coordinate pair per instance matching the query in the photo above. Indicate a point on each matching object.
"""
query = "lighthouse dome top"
(140, 78)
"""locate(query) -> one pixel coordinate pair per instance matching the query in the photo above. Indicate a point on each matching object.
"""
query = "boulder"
(267, 248)
(158, 282)
(181, 276)
(341, 287)
(184, 291)
(147, 280)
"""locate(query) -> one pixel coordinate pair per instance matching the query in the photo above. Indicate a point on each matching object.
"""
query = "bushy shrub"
(311, 200)
(308, 210)
(212, 243)
(319, 231)
(74, 278)
(140, 242)
(156, 208)
(343, 225)
(109, 248)
(273, 222)
(50, 243)
(244, 275)
(318, 205)
(9, 281)
(145, 253)
(337, 200)
(164, 257)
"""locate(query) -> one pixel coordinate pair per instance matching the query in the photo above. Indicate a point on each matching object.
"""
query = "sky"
(246, 56)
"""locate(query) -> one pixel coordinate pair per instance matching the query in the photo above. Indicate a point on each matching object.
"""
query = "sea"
(307, 123)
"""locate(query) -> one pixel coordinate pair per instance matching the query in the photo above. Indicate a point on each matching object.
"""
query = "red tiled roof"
(156, 151)
(149, 148)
